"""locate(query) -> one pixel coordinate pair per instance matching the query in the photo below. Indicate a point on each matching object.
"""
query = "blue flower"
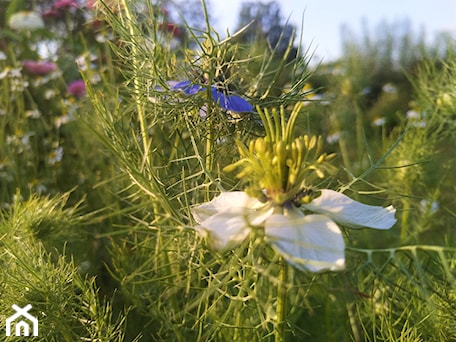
(187, 87)
(231, 103)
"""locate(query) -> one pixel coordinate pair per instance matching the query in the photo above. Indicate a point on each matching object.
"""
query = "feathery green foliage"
(36, 237)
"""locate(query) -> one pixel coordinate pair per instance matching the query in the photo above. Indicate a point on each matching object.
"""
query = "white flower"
(26, 21)
(33, 113)
(417, 119)
(333, 137)
(379, 122)
(429, 206)
(389, 88)
(311, 242)
(55, 156)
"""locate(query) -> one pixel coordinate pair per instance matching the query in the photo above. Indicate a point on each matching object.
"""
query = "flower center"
(280, 168)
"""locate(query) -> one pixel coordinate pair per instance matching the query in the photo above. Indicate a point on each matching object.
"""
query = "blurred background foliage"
(96, 233)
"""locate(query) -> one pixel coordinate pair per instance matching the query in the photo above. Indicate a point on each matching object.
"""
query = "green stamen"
(279, 166)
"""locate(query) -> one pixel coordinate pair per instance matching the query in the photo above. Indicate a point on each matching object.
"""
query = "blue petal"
(187, 87)
(231, 102)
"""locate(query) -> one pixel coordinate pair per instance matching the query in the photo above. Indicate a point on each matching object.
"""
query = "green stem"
(137, 84)
(239, 317)
(359, 128)
(209, 148)
(405, 212)
(404, 219)
(282, 302)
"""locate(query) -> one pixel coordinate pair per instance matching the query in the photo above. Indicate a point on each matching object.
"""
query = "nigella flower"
(300, 223)
(310, 242)
(231, 103)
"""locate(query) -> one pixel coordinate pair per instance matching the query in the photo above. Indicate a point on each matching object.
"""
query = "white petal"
(311, 242)
(224, 230)
(232, 199)
(217, 204)
(350, 213)
(226, 220)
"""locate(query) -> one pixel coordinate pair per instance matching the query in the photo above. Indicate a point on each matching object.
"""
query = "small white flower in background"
(365, 91)
(10, 73)
(333, 137)
(26, 21)
(49, 94)
(417, 119)
(55, 156)
(63, 120)
(17, 82)
(37, 187)
(389, 88)
(311, 242)
(20, 140)
(18, 85)
(85, 61)
(33, 114)
(429, 206)
(379, 122)
(413, 115)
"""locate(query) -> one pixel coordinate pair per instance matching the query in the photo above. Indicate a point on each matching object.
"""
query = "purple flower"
(187, 87)
(59, 7)
(228, 102)
(77, 88)
(63, 4)
(231, 102)
(39, 68)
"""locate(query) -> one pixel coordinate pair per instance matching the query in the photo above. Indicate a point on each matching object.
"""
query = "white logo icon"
(22, 328)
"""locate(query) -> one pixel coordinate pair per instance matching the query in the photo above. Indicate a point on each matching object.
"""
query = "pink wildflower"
(77, 88)
(64, 4)
(59, 7)
(39, 68)
(52, 13)
(170, 28)
(90, 4)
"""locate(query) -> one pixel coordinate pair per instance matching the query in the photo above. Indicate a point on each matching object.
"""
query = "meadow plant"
(174, 141)
(64, 299)
(162, 183)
